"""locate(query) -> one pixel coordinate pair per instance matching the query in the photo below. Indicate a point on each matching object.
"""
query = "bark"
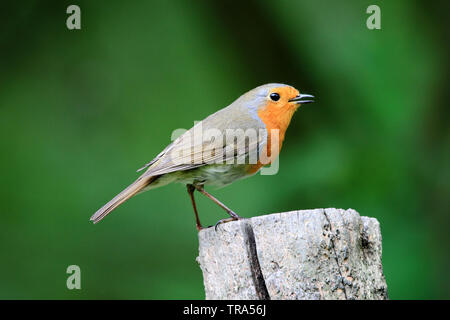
(308, 254)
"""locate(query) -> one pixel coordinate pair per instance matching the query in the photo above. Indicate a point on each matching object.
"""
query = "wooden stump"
(307, 254)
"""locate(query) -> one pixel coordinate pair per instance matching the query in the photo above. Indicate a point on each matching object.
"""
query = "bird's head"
(275, 96)
(275, 103)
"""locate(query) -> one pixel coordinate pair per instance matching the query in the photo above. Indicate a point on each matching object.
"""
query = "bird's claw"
(226, 220)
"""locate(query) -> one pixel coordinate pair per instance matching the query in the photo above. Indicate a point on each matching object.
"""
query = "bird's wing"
(156, 158)
(209, 141)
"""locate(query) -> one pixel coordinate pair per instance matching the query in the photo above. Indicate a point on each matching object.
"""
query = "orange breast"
(274, 117)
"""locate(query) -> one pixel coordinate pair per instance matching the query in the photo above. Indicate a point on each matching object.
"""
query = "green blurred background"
(82, 110)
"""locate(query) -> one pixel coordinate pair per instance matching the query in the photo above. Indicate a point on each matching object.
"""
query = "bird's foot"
(234, 218)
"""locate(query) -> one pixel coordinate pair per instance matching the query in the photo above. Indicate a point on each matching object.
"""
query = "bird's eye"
(274, 96)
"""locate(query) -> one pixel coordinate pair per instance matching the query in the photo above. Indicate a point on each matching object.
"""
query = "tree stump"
(307, 254)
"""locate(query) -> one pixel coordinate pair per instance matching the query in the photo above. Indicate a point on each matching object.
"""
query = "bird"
(230, 144)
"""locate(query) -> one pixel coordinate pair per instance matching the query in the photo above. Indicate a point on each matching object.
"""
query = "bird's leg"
(232, 214)
(190, 190)
(220, 204)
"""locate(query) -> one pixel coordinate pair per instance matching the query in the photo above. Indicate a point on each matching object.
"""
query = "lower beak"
(298, 99)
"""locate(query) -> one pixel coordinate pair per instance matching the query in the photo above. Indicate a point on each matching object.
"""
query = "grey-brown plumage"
(197, 162)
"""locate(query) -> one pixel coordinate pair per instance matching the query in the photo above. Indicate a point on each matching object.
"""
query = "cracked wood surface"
(307, 254)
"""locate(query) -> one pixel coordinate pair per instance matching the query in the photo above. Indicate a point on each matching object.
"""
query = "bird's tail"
(126, 194)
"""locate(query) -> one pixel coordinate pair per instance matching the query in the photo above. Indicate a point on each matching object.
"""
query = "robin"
(231, 144)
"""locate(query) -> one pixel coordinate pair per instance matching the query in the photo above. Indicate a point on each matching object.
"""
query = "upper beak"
(298, 99)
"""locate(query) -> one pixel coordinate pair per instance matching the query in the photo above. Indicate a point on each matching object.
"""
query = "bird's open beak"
(298, 99)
